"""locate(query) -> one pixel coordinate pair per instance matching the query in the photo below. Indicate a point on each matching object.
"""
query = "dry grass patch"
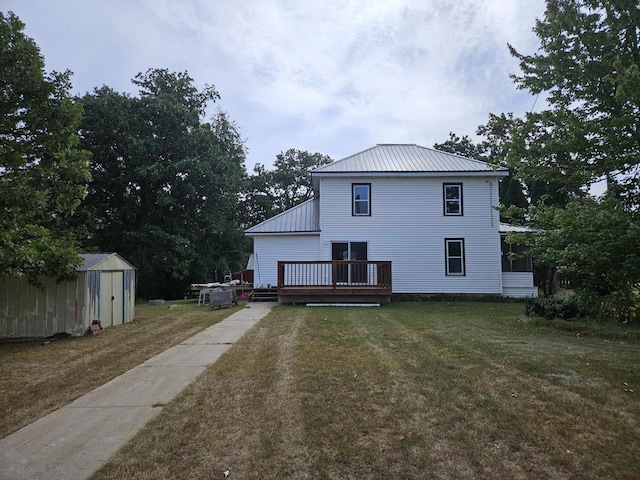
(430, 390)
(37, 378)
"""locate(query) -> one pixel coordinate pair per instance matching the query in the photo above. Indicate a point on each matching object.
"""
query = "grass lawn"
(409, 390)
(37, 378)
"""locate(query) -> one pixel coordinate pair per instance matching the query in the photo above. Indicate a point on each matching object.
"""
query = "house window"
(361, 195)
(452, 193)
(454, 256)
(514, 257)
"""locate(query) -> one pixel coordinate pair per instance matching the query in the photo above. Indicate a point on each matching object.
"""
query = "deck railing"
(335, 274)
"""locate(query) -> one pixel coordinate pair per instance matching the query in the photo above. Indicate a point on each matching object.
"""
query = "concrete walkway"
(76, 440)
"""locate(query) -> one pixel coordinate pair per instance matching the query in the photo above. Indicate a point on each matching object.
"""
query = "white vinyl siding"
(408, 228)
(518, 284)
(269, 249)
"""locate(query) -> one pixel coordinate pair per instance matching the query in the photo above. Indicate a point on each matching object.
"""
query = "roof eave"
(262, 234)
(448, 173)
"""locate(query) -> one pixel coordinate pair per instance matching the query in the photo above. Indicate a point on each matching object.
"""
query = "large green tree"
(43, 173)
(577, 239)
(588, 71)
(270, 192)
(166, 184)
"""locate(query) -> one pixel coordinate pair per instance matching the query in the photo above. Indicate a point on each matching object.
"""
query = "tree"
(577, 240)
(42, 171)
(273, 191)
(588, 70)
(258, 199)
(461, 146)
(166, 185)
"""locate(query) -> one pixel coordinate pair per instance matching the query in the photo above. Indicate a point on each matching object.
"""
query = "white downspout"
(499, 257)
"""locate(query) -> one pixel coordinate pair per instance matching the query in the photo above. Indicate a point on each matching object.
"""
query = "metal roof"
(303, 218)
(506, 228)
(406, 158)
(91, 260)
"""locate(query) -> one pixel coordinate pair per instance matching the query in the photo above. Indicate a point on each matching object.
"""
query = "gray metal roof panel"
(507, 228)
(90, 260)
(405, 158)
(303, 218)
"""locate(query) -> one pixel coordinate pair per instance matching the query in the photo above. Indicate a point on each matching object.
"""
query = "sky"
(334, 77)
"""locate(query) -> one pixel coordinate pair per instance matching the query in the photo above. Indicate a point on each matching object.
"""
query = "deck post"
(280, 274)
(334, 273)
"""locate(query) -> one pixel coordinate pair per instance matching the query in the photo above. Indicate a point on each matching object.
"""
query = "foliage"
(616, 307)
(587, 69)
(461, 146)
(273, 191)
(165, 184)
(593, 244)
(620, 307)
(550, 308)
(42, 170)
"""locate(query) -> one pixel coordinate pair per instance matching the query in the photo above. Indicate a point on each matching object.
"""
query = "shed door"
(111, 298)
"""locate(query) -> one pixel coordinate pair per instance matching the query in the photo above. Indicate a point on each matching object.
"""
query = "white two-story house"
(429, 213)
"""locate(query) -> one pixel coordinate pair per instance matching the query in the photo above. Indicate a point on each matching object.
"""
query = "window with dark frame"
(361, 199)
(452, 198)
(454, 256)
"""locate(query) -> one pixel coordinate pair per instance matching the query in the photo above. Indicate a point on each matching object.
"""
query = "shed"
(104, 290)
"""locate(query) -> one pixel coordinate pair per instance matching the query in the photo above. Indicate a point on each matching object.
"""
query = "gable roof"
(406, 158)
(303, 218)
(92, 260)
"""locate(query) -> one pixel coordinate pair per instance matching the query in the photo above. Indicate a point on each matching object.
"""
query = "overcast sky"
(327, 76)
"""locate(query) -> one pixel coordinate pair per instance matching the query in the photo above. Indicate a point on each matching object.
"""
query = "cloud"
(332, 76)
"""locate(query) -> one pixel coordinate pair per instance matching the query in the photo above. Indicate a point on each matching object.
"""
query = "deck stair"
(269, 294)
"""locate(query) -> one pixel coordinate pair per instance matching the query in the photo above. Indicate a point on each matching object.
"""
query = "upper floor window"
(361, 199)
(454, 256)
(452, 197)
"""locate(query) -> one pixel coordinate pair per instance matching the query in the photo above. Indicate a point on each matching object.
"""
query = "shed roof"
(303, 218)
(93, 260)
(406, 158)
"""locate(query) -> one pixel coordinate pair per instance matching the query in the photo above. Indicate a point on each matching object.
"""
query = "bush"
(566, 308)
(620, 307)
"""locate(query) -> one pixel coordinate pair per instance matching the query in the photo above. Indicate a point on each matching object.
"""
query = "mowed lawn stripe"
(410, 390)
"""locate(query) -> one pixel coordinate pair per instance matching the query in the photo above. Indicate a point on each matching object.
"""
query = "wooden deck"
(334, 281)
